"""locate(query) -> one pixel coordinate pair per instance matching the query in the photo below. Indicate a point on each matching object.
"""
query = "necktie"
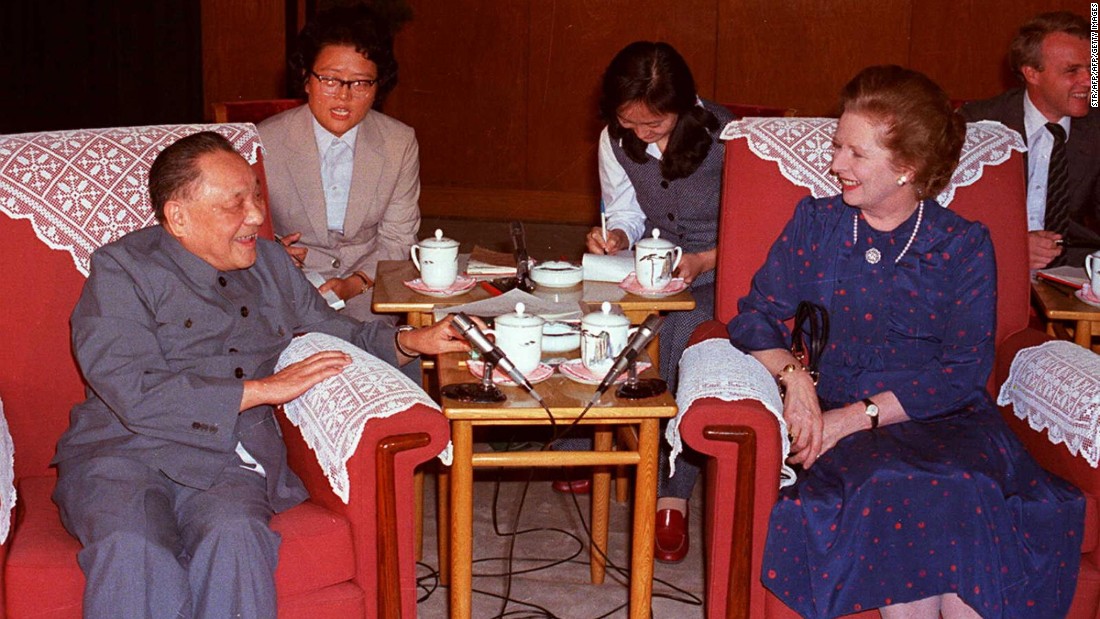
(1057, 216)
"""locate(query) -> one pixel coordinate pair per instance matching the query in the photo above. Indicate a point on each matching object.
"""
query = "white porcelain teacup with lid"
(1092, 268)
(654, 261)
(437, 260)
(519, 335)
(603, 336)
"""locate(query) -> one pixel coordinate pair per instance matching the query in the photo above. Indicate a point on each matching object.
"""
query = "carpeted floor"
(549, 565)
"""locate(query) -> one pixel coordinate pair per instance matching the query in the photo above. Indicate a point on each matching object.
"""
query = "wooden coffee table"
(1059, 306)
(566, 400)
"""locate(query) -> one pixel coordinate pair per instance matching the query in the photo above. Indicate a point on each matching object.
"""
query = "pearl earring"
(902, 180)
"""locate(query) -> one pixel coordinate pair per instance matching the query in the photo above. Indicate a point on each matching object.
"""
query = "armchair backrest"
(62, 195)
(759, 196)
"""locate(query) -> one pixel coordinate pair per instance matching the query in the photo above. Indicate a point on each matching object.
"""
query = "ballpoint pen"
(603, 222)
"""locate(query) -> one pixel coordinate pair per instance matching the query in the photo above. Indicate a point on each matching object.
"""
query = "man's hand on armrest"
(439, 338)
(293, 380)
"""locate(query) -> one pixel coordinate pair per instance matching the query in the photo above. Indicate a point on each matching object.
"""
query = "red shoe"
(576, 486)
(670, 536)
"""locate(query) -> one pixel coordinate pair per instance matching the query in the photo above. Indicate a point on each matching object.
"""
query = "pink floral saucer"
(1088, 296)
(541, 373)
(574, 370)
(462, 284)
(631, 285)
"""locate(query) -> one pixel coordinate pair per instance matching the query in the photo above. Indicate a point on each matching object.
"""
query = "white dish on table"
(556, 274)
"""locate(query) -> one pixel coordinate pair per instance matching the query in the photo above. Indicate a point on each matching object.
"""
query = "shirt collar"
(1034, 119)
(324, 137)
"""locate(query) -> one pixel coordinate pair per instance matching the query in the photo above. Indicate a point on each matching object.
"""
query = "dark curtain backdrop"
(70, 64)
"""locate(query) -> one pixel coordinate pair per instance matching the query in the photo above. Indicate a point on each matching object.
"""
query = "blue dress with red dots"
(948, 502)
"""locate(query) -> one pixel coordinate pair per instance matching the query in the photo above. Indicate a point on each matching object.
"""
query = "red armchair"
(251, 111)
(337, 560)
(741, 438)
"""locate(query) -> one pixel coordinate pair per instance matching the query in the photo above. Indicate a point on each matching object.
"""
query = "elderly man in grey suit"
(173, 466)
(344, 178)
(1050, 54)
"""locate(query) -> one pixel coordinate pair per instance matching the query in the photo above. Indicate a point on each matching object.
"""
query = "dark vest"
(686, 209)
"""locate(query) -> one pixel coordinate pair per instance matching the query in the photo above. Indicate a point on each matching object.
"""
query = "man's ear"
(1031, 74)
(176, 218)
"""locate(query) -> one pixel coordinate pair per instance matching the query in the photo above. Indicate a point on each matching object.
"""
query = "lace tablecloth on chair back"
(803, 148)
(87, 187)
(7, 476)
(333, 413)
(1056, 387)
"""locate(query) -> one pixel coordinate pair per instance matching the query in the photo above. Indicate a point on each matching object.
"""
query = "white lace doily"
(715, 369)
(85, 188)
(333, 413)
(803, 148)
(7, 476)
(1056, 386)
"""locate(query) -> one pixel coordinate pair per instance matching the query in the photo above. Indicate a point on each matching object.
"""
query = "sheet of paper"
(600, 268)
(1068, 275)
(506, 304)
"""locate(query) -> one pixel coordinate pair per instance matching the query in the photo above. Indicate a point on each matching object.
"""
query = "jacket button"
(232, 350)
(196, 425)
(187, 324)
(336, 263)
(671, 217)
(664, 184)
(221, 281)
(244, 312)
(239, 373)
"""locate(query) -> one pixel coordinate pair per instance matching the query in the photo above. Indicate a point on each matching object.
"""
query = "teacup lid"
(519, 318)
(604, 318)
(655, 242)
(439, 241)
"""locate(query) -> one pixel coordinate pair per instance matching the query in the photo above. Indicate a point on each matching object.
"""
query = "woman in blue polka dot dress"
(914, 497)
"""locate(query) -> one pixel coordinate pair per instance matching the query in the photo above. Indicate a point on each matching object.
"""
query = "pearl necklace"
(873, 255)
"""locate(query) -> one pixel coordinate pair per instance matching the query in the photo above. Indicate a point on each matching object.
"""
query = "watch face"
(872, 410)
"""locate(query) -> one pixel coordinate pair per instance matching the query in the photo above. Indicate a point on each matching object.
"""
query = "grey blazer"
(383, 215)
(1083, 152)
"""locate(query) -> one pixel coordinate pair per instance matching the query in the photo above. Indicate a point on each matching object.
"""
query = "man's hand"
(694, 265)
(436, 339)
(1042, 248)
(293, 380)
(297, 254)
(616, 241)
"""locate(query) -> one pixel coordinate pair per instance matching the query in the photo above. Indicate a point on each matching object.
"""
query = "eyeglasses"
(331, 85)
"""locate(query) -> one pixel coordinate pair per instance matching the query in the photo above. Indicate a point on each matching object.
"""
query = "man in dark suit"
(174, 464)
(1050, 55)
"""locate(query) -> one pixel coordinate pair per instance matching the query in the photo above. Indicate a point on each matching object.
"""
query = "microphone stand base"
(474, 392)
(641, 388)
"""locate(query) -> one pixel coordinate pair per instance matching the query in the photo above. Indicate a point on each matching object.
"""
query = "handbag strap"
(812, 320)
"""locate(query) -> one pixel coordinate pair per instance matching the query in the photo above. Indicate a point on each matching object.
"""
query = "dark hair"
(175, 171)
(358, 26)
(1026, 49)
(655, 74)
(917, 122)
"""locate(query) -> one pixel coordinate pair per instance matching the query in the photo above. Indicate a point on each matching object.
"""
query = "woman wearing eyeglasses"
(343, 179)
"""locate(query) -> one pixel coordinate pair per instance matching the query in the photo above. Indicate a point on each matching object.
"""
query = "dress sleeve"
(957, 378)
(772, 298)
(619, 199)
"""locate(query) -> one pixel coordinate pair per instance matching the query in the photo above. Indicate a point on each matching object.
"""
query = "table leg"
(645, 508)
(601, 497)
(462, 530)
(1082, 334)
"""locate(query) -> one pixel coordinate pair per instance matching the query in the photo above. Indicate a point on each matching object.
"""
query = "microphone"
(492, 353)
(641, 338)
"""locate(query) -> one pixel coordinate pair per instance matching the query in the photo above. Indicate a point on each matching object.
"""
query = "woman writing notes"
(343, 179)
(661, 169)
(914, 497)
